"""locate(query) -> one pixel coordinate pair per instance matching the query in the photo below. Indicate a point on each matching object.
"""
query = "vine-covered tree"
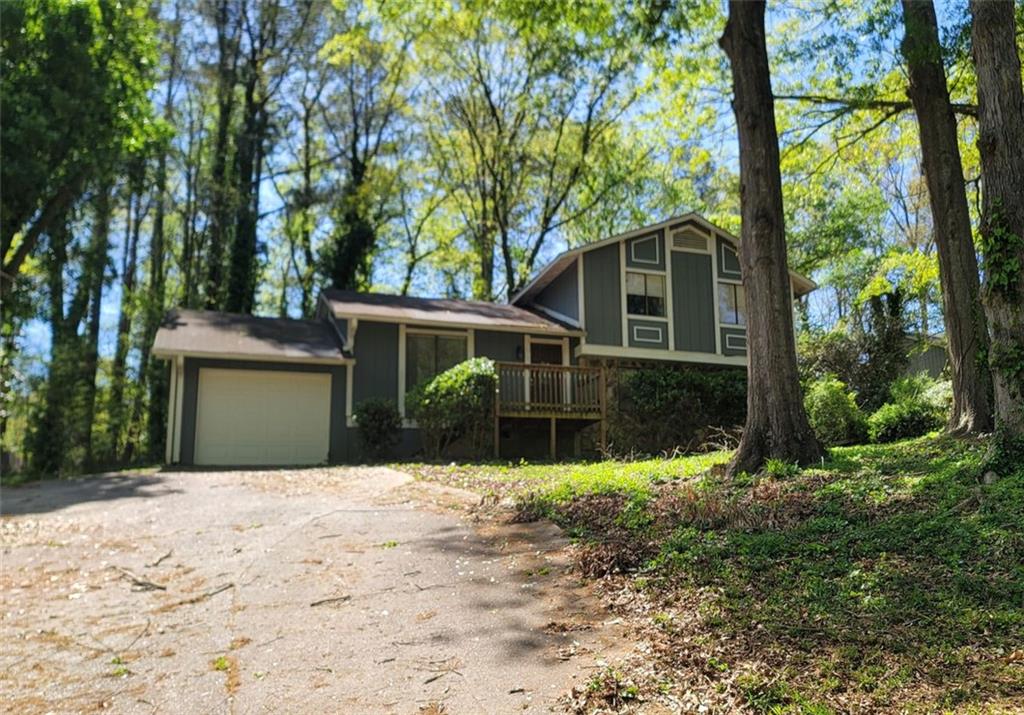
(1001, 145)
(966, 331)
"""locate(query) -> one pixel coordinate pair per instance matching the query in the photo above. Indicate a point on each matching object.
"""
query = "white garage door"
(262, 417)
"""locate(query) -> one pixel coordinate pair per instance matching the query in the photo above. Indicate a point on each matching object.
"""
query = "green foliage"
(457, 404)
(869, 361)
(79, 74)
(900, 420)
(892, 576)
(833, 412)
(669, 407)
(1001, 251)
(379, 424)
(780, 469)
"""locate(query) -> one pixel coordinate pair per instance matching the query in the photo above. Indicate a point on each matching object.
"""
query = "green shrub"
(660, 409)
(833, 412)
(900, 420)
(457, 404)
(937, 395)
(379, 425)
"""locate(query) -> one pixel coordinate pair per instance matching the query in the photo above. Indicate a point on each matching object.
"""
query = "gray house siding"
(693, 309)
(647, 251)
(652, 334)
(734, 341)
(500, 346)
(602, 297)
(562, 295)
(376, 370)
(338, 450)
(728, 264)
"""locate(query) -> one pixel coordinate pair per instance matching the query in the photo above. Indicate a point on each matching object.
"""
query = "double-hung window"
(732, 304)
(429, 355)
(645, 294)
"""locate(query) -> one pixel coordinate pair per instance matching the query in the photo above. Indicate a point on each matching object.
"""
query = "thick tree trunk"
(1001, 146)
(776, 425)
(966, 332)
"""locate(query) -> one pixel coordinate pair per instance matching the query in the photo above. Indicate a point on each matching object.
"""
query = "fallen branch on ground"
(324, 601)
(160, 560)
(139, 583)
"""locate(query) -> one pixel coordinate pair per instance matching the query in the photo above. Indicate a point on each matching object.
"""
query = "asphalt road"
(350, 590)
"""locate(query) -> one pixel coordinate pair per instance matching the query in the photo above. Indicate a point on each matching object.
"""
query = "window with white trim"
(732, 304)
(645, 294)
(429, 355)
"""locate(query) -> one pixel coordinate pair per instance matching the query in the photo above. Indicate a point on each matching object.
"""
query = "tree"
(523, 104)
(966, 331)
(362, 107)
(1001, 145)
(776, 425)
(78, 74)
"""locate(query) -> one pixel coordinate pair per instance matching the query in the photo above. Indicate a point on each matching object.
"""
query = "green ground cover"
(889, 578)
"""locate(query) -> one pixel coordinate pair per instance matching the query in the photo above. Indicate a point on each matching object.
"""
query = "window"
(645, 294)
(430, 355)
(732, 304)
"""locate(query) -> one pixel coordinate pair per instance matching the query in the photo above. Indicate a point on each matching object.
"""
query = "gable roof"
(802, 284)
(208, 333)
(443, 312)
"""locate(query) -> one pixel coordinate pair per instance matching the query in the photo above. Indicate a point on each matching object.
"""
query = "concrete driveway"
(347, 590)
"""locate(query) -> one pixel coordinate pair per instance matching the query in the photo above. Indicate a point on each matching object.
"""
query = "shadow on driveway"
(56, 494)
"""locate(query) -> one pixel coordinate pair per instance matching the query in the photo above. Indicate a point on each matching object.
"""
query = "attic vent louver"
(689, 240)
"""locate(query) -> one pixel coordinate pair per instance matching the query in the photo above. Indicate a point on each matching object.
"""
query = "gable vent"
(689, 240)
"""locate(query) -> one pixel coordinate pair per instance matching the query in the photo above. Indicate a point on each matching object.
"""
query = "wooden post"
(497, 421)
(554, 438)
(603, 390)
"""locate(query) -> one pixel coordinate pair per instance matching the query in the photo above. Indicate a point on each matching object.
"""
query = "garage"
(262, 417)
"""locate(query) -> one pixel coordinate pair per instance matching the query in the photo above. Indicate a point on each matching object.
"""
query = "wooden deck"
(552, 392)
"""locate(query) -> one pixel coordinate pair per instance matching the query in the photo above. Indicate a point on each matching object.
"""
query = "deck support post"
(603, 389)
(553, 440)
(497, 425)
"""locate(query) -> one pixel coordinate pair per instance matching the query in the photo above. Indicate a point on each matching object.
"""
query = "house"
(247, 390)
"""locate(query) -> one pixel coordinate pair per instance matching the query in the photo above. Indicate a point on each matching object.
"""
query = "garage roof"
(207, 333)
(440, 311)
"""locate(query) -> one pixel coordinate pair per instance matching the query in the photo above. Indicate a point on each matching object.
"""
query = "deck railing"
(566, 391)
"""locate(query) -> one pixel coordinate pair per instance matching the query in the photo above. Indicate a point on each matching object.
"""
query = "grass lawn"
(888, 579)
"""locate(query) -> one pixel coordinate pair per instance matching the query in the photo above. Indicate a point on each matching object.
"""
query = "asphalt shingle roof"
(465, 313)
(207, 332)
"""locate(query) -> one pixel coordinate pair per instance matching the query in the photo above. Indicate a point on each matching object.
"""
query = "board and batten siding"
(190, 400)
(562, 294)
(602, 298)
(693, 295)
(376, 368)
(499, 345)
(646, 252)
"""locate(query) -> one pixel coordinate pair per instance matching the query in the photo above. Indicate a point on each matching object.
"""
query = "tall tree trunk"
(152, 393)
(350, 259)
(95, 274)
(48, 437)
(966, 332)
(226, 22)
(776, 425)
(119, 417)
(1001, 146)
(242, 272)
